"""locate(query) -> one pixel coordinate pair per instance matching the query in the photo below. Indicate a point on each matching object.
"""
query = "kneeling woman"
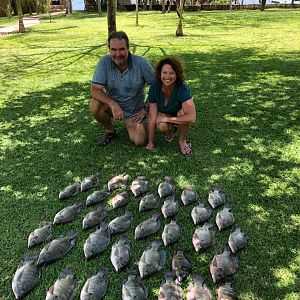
(171, 106)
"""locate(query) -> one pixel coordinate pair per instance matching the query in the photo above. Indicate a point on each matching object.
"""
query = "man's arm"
(99, 95)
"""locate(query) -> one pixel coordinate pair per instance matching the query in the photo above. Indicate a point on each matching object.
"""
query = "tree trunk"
(69, 7)
(111, 15)
(179, 31)
(137, 13)
(163, 7)
(262, 5)
(99, 6)
(21, 23)
(150, 4)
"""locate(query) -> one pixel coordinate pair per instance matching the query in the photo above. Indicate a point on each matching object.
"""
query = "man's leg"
(100, 111)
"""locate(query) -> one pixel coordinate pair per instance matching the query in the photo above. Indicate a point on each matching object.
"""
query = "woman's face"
(167, 75)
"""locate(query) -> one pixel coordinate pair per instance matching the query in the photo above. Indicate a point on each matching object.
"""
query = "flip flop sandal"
(186, 149)
(107, 138)
(170, 138)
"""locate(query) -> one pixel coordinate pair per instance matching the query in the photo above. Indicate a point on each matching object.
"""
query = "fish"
(121, 223)
(94, 217)
(181, 265)
(148, 202)
(118, 181)
(189, 195)
(171, 233)
(97, 197)
(170, 206)
(223, 265)
(68, 214)
(120, 200)
(120, 253)
(27, 276)
(70, 191)
(139, 186)
(166, 188)
(90, 182)
(216, 197)
(237, 240)
(204, 237)
(201, 213)
(96, 286)
(227, 291)
(152, 260)
(97, 242)
(40, 235)
(148, 227)
(64, 286)
(134, 288)
(57, 249)
(198, 290)
(170, 290)
(225, 217)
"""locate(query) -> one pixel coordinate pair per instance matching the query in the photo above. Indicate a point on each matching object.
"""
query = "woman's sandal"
(171, 136)
(185, 149)
(107, 138)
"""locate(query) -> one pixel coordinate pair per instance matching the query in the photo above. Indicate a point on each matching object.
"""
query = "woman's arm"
(188, 115)
(151, 125)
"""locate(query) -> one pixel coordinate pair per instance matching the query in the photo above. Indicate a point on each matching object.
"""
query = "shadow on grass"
(247, 112)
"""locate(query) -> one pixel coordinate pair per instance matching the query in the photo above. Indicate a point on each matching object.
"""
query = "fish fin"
(66, 272)
(163, 258)
(71, 234)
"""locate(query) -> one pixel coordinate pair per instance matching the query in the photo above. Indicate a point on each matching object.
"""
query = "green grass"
(243, 70)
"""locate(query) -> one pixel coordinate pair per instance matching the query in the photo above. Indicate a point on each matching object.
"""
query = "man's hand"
(139, 116)
(117, 112)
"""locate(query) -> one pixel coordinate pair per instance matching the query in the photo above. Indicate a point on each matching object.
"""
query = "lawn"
(244, 72)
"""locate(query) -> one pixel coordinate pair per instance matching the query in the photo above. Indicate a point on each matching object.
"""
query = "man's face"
(119, 53)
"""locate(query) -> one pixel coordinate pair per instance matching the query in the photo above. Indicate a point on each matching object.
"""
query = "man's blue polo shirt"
(126, 88)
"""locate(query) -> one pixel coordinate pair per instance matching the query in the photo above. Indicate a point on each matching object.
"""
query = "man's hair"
(176, 65)
(120, 35)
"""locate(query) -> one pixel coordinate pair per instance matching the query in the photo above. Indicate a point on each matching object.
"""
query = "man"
(118, 90)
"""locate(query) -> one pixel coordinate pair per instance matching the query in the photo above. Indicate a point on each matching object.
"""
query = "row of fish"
(153, 259)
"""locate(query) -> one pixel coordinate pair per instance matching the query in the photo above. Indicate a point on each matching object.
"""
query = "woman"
(171, 106)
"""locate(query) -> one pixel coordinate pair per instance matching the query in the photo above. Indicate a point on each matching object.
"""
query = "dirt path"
(28, 22)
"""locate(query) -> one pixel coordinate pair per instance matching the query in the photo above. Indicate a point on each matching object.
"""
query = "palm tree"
(20, 15)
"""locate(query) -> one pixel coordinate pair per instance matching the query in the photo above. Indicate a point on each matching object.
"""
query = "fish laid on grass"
(227, 291)
(95, 217)
(97, 197)
(170, 206)
(201, 213)
(152, 260)
(189, 195)
(172, 233)
(170, 290)
(40, 235)
(225, 217)
(97, 242)
(204, 236)
(148, 227)
(68, 214)
(90, 182)
(134, 288)
(57, 249)
(120, 253)
(149, 201)
(95, 287)
(166, 188)
(120, 200)
(216, 197)
(198, 290)
(26, 276)
(64, 286)
(223, 265)
(181, 265)
(121, 223)
(139, 186)
(237, 240)
(70, 191)
(118, 182)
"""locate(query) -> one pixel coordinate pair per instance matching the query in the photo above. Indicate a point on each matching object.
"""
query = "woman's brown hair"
(176, 65)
